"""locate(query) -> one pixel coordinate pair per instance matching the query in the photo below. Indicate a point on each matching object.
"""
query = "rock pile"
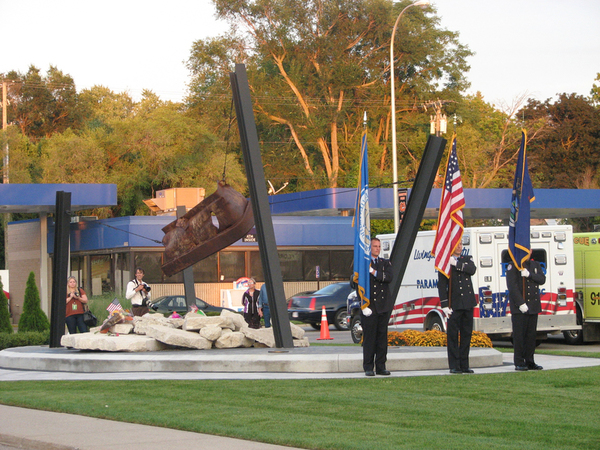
(153, 332)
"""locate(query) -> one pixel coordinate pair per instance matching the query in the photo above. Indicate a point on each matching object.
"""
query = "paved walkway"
(41, 430)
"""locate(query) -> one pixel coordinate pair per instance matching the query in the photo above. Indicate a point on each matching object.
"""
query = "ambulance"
(418, 304)
(586, 247)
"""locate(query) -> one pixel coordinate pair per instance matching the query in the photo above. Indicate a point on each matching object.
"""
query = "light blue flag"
(519, 245)
(362, 226)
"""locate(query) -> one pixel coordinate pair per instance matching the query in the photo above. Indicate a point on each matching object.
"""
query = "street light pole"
(421, 3)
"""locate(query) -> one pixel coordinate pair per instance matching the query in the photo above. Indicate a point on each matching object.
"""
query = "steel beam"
(415, 207)
(260, 207)
(60, 267)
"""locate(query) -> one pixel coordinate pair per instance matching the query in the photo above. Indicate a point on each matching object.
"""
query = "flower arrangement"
(432, 338)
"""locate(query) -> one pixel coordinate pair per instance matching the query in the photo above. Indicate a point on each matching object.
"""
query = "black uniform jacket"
(459, 285)
(381, 301)
(525, 290)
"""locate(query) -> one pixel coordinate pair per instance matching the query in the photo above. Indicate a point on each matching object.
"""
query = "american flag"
(114, 306)
(450, 219)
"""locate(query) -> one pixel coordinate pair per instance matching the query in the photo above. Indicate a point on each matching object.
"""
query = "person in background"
(138, 292)
(263, 306)
(375, 318)
(524, 298)
(457, 299)
(250, 302)
(76, 298)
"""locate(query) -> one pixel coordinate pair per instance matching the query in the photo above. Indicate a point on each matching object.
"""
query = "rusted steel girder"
(194, 236)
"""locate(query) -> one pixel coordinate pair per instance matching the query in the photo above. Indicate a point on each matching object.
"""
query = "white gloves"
(523, 308)
(447, 311)
(524, 273)
(367, 312)
(453, 261)
(371, 270)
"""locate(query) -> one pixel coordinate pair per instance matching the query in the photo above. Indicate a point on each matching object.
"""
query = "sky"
(533, 48)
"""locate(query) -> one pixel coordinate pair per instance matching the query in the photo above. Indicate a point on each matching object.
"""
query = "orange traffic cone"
(324, 327)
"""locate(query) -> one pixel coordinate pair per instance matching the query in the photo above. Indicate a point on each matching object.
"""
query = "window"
(291, 265)
(315, 258)
(342, 262)
(77, 269)
(151, 262)
(232, 265)
(255, 270)
(101, 274)
(206, 271)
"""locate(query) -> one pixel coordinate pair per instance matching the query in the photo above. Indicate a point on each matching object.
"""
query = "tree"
(315, 66)
(100, 105)
(595, 92)
(488, 140)
(32, 317)
(567, 153)
(42, 106)
(5, 325)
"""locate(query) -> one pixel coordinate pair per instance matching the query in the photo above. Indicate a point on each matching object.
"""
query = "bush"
(432, 338)
(99, 303)
(5, 325)
(32, 318)
(24, 339)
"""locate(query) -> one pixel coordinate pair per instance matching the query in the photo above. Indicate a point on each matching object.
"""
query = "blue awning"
(37, 198)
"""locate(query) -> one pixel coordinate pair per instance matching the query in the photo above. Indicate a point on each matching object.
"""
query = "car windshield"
(201, 304)
(331, 289)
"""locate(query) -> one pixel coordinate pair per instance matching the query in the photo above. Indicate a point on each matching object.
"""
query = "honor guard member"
(375, 318)
(524, 298)
(457, 299)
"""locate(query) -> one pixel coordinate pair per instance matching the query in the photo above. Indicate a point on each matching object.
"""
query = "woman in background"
(76, 298)
(250, 302)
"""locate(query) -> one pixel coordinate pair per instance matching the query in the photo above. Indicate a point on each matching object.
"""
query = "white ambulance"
(418, 303)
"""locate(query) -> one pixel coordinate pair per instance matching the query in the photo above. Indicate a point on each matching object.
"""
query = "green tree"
(595, 92)
(42, 105)
(100, 105)
(566, 155)
(32, 317)
(316, 66)
(5, 325)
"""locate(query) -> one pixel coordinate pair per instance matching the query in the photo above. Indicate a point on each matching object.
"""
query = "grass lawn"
(555, 409)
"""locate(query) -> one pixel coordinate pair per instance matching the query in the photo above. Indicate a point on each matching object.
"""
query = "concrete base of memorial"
(316, 359)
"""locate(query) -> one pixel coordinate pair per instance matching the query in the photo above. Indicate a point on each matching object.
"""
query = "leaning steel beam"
(415, 207)
(260, 207)
(62, 219)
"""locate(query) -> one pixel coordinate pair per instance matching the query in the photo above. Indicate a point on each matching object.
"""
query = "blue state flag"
(362, 226)
(519, 245)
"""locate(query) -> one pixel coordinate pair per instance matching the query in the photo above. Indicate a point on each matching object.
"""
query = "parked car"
(171, 303)
(308, 308)
(353, 318)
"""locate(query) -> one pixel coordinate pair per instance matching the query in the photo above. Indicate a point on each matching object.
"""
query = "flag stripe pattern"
(362, 234)
(114, 306)
(450, 218)
(519, 245)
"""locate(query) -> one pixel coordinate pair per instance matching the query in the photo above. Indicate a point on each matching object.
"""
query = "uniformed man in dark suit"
(457, 299)
(524, 297)
(375, 317)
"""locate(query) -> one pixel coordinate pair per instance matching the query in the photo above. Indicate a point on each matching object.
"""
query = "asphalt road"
(553, 342)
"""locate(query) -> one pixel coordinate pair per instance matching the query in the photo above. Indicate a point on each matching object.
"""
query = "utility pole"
(439, 122)
(6, 216)
(439, 125)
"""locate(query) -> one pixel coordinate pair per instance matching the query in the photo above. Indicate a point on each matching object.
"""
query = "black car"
(308, 308)
(171, 303)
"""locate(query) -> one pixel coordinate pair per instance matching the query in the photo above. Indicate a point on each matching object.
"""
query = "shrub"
(24, 339)
(480, 339)
(32, 318)
(5, 325)
(432, 338)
